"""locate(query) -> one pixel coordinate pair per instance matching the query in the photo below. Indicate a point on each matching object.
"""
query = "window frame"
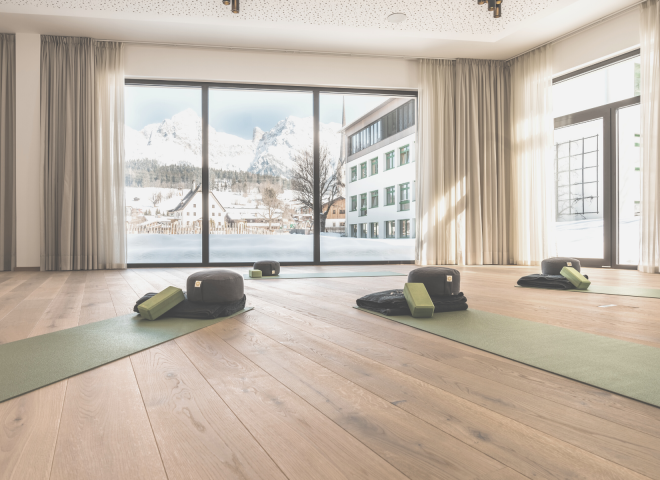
(401, 152)
(371, 199)
(389, 156)
(354, 174)
(354, 204)
(387, 198)
(371, 230)
(363, 210)
(374, 161)
(316, 92)
(364, 170)
(608, 113)
(389, 223)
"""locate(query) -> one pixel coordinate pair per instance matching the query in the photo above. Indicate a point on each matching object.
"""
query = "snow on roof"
(190, 195)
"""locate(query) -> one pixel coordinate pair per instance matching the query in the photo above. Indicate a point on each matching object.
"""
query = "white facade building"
(380, 178)
(189, 210)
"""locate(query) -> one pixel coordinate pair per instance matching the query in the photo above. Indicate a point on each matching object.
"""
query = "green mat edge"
(575, 290)
(219, 319)
(393, 319)
(246, 276)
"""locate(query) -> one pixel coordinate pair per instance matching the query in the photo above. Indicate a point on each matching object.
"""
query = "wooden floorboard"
(305, 386)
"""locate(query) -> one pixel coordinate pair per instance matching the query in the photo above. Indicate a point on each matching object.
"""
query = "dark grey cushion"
(215, 286)
(269, 268)
(437, 280)
(553, 266)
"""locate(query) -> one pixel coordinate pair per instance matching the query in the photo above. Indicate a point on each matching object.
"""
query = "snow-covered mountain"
(179, 139)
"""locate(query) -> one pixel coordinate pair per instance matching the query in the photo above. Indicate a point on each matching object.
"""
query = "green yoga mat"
(609, 290)
(329, 275)
(35, 362)
(621, 367)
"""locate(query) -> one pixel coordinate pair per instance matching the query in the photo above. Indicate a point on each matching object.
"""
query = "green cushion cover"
(576, 278)
(419, 300)
(159, 304)
(255, 273)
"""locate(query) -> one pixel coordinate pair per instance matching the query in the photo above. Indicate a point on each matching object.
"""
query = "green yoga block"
(419, 300)
(576, 278)
(255, 273)
(159, 304)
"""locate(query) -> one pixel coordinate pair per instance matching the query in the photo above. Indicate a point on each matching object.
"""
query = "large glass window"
(612, 83)
(404, 228)
(596, 164)
(220, 174)
(163, 180)
(628, 184)
(261, 173)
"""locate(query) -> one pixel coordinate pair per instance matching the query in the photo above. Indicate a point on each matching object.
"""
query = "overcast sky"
(239, 111)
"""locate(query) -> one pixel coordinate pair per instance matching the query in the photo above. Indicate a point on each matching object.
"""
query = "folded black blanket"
(393, 302)
(202, 311)
(554, 282)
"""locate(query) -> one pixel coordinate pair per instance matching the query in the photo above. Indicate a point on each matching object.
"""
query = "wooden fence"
(176, 229)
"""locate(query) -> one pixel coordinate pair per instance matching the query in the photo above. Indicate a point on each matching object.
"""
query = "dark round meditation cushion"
(553, 266)
(437, 280)
(269, 268)
(215, 286)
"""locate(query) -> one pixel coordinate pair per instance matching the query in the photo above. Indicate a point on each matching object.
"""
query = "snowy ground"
(584, 239)
(250, 248)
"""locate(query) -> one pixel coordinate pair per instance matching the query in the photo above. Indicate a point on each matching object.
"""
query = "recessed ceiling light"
(397, 18)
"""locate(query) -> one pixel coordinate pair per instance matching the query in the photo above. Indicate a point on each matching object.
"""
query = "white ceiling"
(440, 28)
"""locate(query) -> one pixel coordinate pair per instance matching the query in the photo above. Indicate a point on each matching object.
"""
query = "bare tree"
(271, 202)
(330, 176)
(156, 198)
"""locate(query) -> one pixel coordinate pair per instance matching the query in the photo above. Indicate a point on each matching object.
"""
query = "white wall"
(28, 56)
(604, 40)
(249, 66)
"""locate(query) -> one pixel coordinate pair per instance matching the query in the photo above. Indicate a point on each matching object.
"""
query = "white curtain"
(650, 135)
(440, 200)
(82, 114)
(7, 152)
(462, 168)
(532, 127)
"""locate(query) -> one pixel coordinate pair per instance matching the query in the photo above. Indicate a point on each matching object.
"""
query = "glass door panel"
(261, 168)
(370, 144)
(163, 136)
(628, 185)
(579, 190)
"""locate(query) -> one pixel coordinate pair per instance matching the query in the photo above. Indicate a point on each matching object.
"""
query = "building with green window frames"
(381, 170)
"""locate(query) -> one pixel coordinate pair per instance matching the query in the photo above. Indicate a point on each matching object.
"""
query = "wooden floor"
(306, 387)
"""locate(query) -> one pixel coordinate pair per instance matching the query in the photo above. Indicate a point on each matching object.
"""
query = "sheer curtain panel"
(462, 168)
(532, 127)
(650, 134)
(82, 154)
(7, 152)
(440, 192)
(482, 102)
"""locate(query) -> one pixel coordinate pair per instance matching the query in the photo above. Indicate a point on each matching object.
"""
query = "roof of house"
(190, 195)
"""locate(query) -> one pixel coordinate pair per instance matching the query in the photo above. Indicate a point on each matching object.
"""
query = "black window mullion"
(317, 179)
(205, 175)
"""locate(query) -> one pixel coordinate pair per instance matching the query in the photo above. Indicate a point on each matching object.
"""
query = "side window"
(404, 155)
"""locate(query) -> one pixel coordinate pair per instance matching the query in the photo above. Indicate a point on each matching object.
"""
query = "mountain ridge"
(179, 139)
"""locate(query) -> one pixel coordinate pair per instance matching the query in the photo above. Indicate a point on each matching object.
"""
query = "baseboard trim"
(27, 269)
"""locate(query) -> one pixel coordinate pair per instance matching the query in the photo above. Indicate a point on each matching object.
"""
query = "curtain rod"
(581, 29)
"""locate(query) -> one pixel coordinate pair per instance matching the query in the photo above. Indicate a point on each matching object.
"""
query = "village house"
(189, 210)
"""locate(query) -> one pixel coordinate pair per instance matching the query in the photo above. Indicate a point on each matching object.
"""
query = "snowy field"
(584, 239)
(250, 248)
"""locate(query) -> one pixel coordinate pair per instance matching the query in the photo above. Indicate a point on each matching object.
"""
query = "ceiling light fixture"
(494, 6)
(397, 18)
(234, 5)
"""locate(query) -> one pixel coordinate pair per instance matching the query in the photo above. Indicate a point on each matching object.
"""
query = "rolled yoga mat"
(614, 290)
(328, 275)
(621, 367)
(35, 362)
